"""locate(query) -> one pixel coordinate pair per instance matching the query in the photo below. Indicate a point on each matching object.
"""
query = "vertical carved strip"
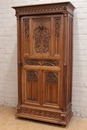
(57, 32)
(65, 61)
(26, 28)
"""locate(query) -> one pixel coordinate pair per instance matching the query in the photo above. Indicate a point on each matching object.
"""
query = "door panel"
(31, 86)
(41, 35)
(51, 86)
(42, 60)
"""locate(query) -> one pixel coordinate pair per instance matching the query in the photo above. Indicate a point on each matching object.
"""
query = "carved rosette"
(41, 62)
(40, 113)
(26, 24)
(41, 37)
(52, 77)
(32, 76)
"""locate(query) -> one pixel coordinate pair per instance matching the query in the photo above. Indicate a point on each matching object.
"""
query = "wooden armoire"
(45, 44)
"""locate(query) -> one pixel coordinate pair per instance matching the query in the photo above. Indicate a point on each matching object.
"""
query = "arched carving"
(32, 75)
(52, 77)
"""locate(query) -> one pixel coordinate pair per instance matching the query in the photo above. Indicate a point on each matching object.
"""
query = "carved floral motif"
(32, 75)
(41, 37)
(52, 77)
(41, 62)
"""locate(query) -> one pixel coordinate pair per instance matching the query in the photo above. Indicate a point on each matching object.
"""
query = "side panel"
(69, 60)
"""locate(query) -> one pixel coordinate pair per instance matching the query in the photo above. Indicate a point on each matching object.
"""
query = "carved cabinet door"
(42, 60)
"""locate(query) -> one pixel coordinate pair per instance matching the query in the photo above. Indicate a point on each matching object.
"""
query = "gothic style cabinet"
(45, 43)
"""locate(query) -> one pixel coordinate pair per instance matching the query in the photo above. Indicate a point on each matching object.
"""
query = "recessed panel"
(41, 35)
(50, 87)
(32, 86)
(25, 36)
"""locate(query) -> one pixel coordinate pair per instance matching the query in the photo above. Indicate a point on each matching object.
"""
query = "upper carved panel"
(41, 37)
(41, 62)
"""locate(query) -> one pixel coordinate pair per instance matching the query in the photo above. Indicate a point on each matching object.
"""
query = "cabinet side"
(68, 61)
(19, 60)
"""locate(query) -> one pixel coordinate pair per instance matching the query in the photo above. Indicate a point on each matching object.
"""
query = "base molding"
(56, 117)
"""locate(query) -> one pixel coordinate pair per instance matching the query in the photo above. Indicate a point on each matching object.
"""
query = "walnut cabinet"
(45, 44)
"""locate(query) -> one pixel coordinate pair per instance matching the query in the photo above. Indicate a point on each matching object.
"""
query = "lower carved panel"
(40, 113)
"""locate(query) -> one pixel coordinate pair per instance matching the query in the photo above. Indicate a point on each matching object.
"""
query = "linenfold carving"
(32, 75)
(41, 62)
(52, 77)
(41, 37)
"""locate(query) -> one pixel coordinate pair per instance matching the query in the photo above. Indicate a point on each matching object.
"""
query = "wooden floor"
(8, 121)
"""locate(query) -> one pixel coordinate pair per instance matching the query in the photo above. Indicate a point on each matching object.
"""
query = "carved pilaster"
(19, 59)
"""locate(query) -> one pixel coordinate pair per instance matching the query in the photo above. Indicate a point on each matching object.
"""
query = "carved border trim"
(41, 62)
(41, 9)
(40, 113)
